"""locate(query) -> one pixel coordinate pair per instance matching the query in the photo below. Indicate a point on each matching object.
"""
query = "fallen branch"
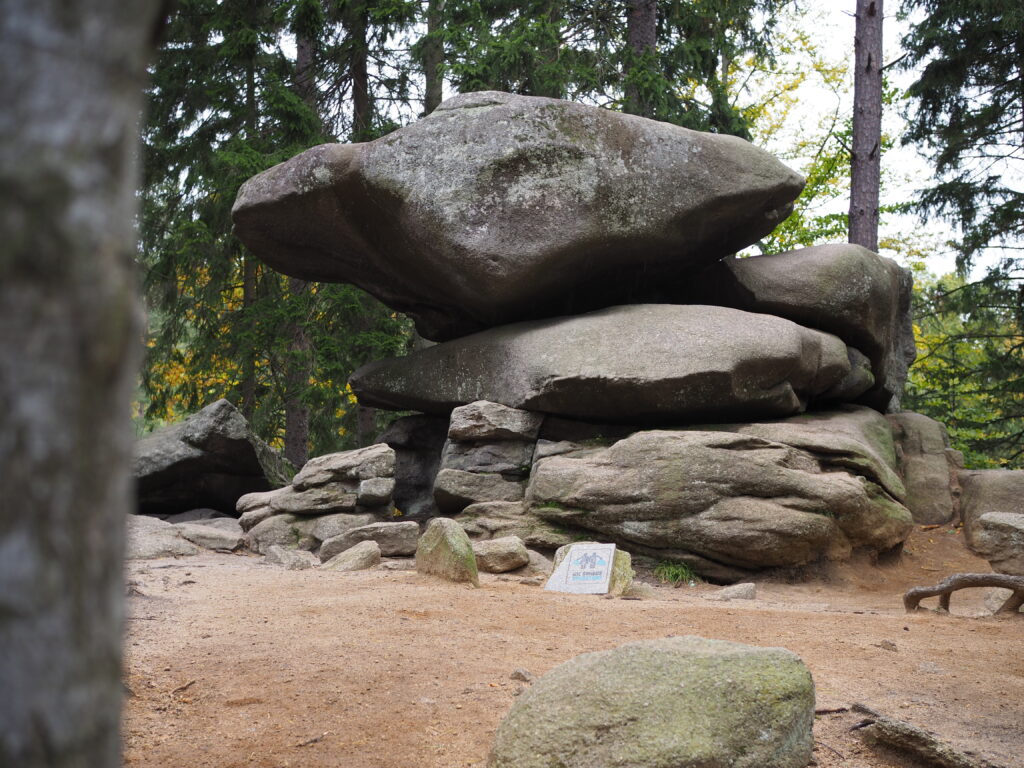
(314, 740)
(183, 688)
(904, 737)
(945, 588)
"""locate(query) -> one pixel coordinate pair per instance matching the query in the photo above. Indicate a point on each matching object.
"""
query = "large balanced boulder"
(679, 702)
(725, 503)
(843, 289)
(642, 362)
(498, 208)
(209, 460)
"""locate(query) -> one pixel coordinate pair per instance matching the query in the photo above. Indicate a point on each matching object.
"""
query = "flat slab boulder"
(209, 460)
(843, 289)
(643, 362)
(498, 208)
(717, 501)
(364, 555)
(393, 539)
(999, 538)
(684, 702)
(149, 537)
(988, 490)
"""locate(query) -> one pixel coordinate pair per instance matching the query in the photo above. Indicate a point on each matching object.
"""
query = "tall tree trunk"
(641, 39)
(248, 384)
(71, 85)
(433, 57)
(356, 25)
(296, 380)
(299, 363)
(548, 79)
(865, 177)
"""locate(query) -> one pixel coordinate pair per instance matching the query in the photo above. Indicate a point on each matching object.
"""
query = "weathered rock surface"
(375, 491)
(507, 457)
(924, 460)
(393, 539)
(417, 442)
(988, 490)
(321, 500)
(196, 515)
(289, 531)
(684, 702)
(374, 461)
(999, 538)
(501, 555)
(209, 460)
(842, 289)
(149, 537)
(744, 591)
(454, 489)
(494, 519)
(652, 362)
(498, 208)
(255, 516)
(484, 420)
(717, 499)
(330, 526)
(291, 559)
(444, 550)
(210, 537)
(853, 438)
(365, 554)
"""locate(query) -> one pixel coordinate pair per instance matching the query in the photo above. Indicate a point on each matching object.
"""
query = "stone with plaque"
(585, 570)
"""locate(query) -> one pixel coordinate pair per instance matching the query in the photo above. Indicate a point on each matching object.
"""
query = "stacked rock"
(334, 503)
(577, 266)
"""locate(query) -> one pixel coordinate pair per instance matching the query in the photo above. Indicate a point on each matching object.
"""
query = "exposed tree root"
(944, 589)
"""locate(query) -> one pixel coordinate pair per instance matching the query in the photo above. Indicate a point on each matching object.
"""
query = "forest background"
(240, 85)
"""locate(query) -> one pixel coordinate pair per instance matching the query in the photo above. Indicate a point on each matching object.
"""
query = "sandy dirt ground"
(230, 662)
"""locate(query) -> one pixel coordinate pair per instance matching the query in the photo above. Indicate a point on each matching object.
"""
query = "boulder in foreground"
(643, 362)
(498, 208)
(684, 702)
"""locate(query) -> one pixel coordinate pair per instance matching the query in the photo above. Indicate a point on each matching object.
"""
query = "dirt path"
(233, 663)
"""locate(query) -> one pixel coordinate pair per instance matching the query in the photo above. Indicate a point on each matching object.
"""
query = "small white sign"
(585, 570)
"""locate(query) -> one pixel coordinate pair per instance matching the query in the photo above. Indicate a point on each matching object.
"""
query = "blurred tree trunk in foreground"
(71, 82)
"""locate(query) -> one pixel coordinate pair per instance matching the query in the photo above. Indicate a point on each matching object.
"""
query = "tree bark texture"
(641, 39)
(433, 57)
(296, 380)
(356, 24)
(865, 176)
(71, 80)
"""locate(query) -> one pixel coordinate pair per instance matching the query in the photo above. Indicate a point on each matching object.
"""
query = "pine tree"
(222, 324)
(968, 112)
